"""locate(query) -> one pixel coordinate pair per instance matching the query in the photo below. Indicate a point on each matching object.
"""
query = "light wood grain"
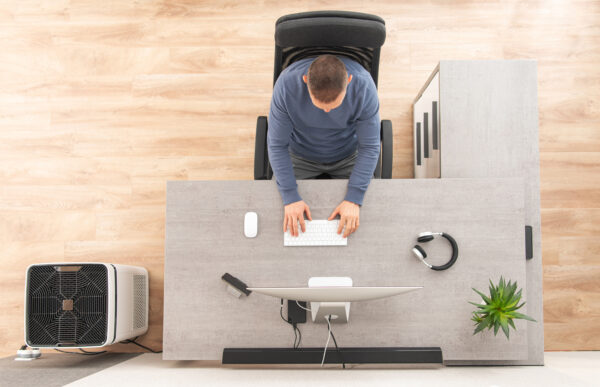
(102, 102)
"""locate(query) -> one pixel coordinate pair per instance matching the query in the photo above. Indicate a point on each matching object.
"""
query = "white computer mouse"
(250, 224)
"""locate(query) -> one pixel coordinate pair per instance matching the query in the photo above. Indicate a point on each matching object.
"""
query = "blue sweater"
(296, 125)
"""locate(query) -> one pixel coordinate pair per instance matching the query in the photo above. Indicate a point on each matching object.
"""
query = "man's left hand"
(349, 217)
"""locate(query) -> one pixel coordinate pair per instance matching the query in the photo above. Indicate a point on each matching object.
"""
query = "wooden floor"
(101, 102)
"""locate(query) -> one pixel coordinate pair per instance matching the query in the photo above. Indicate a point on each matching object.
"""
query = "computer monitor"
(331, 296)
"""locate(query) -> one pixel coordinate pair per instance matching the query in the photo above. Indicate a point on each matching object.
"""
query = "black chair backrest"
(358, 36)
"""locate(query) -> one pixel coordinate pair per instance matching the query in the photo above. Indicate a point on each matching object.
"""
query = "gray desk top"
(204, 239)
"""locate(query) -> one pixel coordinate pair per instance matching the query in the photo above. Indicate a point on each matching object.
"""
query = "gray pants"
(306, 169)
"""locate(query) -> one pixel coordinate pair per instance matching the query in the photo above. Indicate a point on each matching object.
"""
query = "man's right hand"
(294, 212)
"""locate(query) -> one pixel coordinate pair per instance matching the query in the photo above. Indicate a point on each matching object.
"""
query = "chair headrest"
(330, 28)
(316, 14)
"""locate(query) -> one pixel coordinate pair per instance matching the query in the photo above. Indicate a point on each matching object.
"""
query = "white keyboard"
(318, 233)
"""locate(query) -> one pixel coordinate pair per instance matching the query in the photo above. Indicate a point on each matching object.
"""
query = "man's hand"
(294, 212)
(349, 217)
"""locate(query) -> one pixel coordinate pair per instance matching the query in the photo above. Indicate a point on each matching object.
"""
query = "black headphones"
(421, 254)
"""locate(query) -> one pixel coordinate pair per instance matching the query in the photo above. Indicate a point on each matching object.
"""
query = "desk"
(204, 239)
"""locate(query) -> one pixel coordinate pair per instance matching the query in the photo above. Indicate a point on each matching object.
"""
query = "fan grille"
(139, 301)
(67, 305)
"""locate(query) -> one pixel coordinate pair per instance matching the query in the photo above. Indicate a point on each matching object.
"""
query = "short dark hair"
(327, 78)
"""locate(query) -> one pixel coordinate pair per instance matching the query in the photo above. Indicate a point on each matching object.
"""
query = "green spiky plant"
(500, 308)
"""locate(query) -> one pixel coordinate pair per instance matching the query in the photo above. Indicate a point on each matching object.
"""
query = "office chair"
(358, 36)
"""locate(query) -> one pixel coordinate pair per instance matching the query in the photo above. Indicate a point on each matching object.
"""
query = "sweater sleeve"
(278, 138)
(369, 143)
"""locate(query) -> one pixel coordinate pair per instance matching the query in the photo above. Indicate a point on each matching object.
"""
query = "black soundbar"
(358, 355)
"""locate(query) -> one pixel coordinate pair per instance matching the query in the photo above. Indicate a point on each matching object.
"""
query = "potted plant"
(499, 308)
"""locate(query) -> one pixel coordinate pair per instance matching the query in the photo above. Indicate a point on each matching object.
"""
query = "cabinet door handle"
(418, 143)
(434, 124)
(425, 135)
(528, 242)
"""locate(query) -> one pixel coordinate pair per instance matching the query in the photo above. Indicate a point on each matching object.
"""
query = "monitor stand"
(320, 311)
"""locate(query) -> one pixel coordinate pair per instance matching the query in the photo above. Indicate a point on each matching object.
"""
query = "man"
(324, 117)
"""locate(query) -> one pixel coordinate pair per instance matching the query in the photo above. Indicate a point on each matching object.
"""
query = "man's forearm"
(284, 174)
(366, 162)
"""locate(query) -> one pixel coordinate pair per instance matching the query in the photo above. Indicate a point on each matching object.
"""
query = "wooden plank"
(572, 298)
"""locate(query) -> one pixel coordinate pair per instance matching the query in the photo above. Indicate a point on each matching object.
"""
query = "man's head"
(327, 80)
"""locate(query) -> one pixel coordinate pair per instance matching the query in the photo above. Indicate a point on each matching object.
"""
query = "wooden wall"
(101, 102)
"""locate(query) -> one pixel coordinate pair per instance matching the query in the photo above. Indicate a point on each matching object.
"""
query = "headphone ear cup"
(425, 238)
(419, 250)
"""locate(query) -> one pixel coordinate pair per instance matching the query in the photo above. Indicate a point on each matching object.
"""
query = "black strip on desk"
(434, 124)
(418, 143)
(351, 355)
(528, 242)
(426, 135)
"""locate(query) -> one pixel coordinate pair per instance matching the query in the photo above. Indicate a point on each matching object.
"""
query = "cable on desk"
(338, 349)
(298, 335)
(295, 335)
(299, 339)
(328, 337)
(297, 303)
